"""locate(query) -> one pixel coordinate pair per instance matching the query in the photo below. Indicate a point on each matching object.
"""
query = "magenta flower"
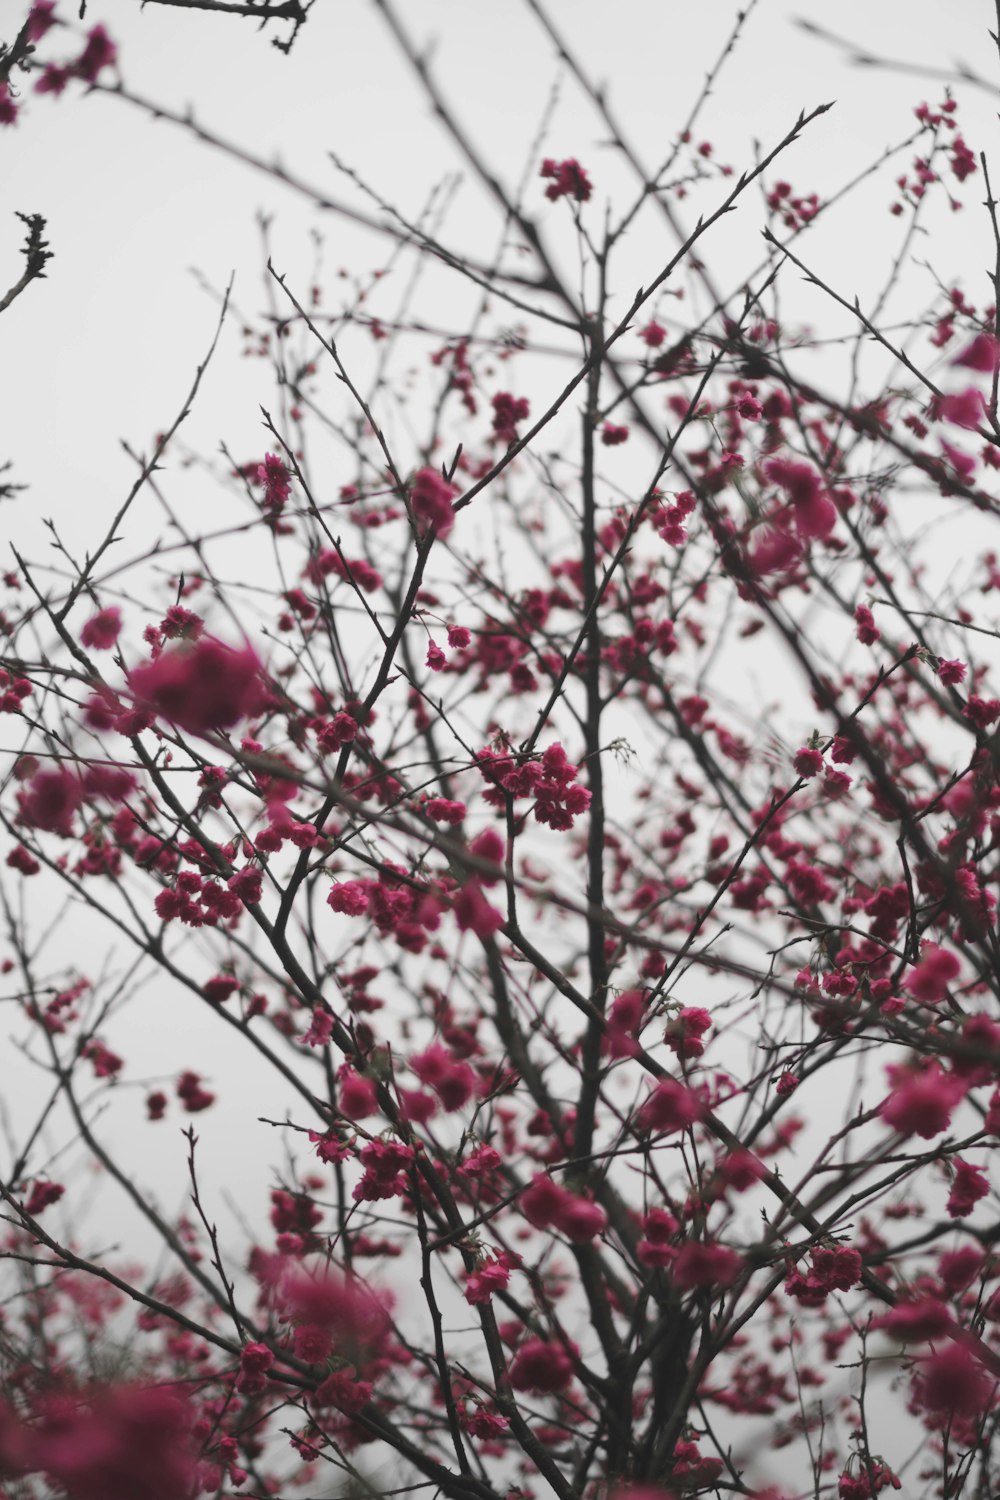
(431, 496)
(202, 686)
(101, 631)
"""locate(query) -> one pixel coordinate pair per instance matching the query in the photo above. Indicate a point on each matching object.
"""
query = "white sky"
(105, 349)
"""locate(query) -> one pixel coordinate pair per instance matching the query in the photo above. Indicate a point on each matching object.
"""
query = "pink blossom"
(431, 496)
(473, 912)
(928, 981)
(580, 1219)
(569, 180)
(951, 672)
(966, 409)
(740, 1169)
(348, 896)
(102, 630)
(42, 1196)
(489, 846)
(444, 810)
(702, 1266)
(40, 18)
(749, 408)
(917, 1322)
(963, 161)
(357, 1095)
(952, 1379)
(481, 1284)
(193, 1097)
(921, 1102)
(54, 80)
(126, 1441)
(775, 550)
(99, 53)
(653, 334)
(964, 464)
(344, 1392)
(808, 762)
(333, 1314)
(220, 989)
(867, 631)
(274, 476)
(541, 1367)
(508, 410)
(8, 107)
(983, 354)
(453, 1081)
(255, 1361)
(612, 435)
(201, 686)
(670, 1106)
(50, 801)
(320, 1028)
(968, 1186)
(814, 512)
(624, 1019)
(541, 1201)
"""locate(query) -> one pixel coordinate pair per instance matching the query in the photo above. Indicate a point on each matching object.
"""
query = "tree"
(549, 809)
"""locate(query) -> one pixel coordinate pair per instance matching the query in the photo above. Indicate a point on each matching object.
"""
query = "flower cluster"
(569, 180)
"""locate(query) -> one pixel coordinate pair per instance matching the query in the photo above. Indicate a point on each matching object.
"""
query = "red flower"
(473, 912)
(481, 1284)
(814, 512)
(54, 80)
(570, 180)
(102, 630)
(42, 1195)
(357, 1095)
(255, 1361)
(928, 981)
(431, 496)
(508, 410)
(129, 1441)
(40, 18)
(951, 672)
(966, 409)
(50, 801)
(348, 896)
(807, 762)
(868, 631)
(983, 354)
(541, 1367)
(490, 846)
(580, 1219)
(201, 686)
(332, 1314)
(454, 1082)
(100, 52)
(969, 1186)
(702, 1266)
(951, 1379)
(921, 1103)
(917, 1322)
(775, 551)
(670, 1106)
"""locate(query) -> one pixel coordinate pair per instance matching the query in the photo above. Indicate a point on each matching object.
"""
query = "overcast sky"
(105, 349)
